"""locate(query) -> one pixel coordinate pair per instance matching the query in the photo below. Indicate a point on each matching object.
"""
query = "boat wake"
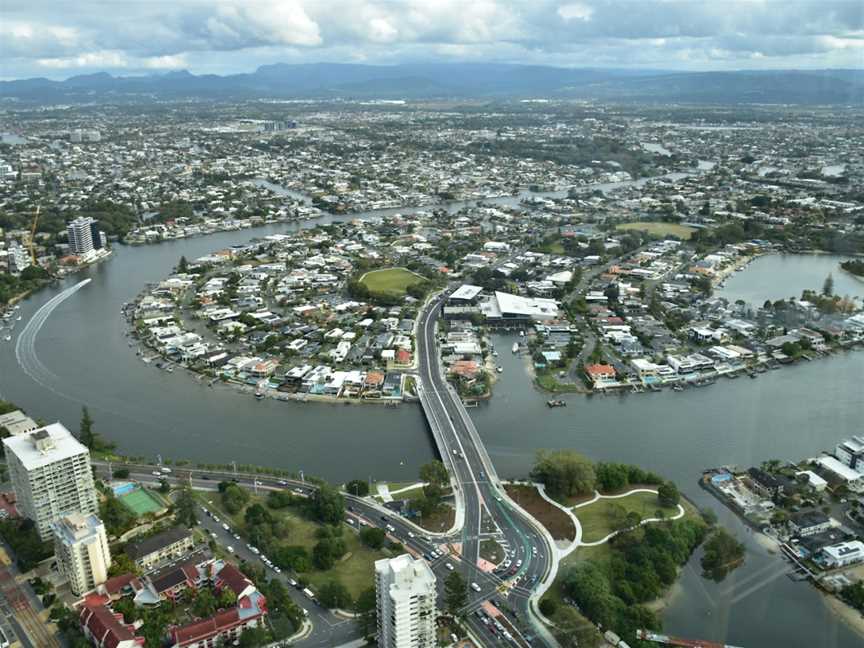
(25, 345)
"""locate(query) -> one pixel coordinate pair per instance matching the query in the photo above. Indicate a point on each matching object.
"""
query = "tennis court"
(139, 501)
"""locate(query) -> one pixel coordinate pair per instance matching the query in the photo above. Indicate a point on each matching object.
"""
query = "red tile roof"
(198, 630)
(106, 627)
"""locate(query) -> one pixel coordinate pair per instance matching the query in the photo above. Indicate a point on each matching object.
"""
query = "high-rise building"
(405, 589)
(18, 258)
(80, 235)
(81, 549)
(51, 475)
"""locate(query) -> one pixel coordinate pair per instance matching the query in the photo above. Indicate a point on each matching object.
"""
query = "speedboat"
(515, 347)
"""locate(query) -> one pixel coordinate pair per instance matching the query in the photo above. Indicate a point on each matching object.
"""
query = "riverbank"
(846, 613)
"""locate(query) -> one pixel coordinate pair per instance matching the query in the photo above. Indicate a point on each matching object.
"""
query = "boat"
(500, 369)
(678, 388)
(556, 403)
(515, 347)
(259, 395)
(169, 369)
(521, 333)
(494, 354)
(8, 338)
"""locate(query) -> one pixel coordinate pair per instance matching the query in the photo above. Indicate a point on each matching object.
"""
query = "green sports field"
(682, 232)
(140, 502)
(391, 281)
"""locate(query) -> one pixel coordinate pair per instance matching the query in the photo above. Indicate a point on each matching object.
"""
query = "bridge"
(481, 501)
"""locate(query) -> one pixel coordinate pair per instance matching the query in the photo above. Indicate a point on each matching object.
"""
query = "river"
(83, 357)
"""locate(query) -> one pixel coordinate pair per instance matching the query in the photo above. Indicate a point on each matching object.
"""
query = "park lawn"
(556, 521)
(595, 518)
(682, 232)
(391, 281)
(356, 570)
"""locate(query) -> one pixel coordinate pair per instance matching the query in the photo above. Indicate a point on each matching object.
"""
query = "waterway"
(82, 356)
(780, 276)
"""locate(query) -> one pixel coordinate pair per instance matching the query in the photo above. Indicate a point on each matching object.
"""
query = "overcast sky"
(62, 38)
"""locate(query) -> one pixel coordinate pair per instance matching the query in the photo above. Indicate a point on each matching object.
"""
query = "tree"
(434, 472)
(723, 553)
(182, 265)
(328, 505)
(334, 594)
(365, 607)
(323, 555)
(357, 487)
(373, 537)
(668, 494)
(86, 433)
(455, 593)
(227, 598)
(121, 564)
(120, 473)
(204, 604)
(185, 505)
(565, 473)
(164, 486)
(828, 286)
(234, 498)
(253, 638)
(611, 477)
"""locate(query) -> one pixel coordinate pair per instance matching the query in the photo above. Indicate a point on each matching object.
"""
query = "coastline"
(846, 613)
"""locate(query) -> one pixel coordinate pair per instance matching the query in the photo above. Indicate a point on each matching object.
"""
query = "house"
(17, 422)
(168, 545)
(600, 374)
(853, 479)
(403, 356)
(843, 554)
(764, 483)
(808, 523)
(105, 629)
(467, 369)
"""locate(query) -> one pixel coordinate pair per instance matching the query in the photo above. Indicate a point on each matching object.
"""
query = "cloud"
(236, 35)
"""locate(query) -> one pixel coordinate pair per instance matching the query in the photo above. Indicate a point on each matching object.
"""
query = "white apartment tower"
(405, 589)
(81, 548)
(51, 475)
(84, 235)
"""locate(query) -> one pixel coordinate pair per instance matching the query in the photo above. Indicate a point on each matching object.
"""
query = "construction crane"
(33, 235)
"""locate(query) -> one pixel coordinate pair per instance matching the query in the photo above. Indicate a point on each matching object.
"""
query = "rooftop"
(44, 446)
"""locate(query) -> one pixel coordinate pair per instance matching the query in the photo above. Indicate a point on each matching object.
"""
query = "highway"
(488, 511)
(485, 511)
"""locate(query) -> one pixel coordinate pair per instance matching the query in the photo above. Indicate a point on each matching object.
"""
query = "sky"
(62, 38)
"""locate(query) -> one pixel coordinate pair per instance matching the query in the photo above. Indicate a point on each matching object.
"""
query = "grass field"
(390, 281)
(660, 229)
(556, 521)
(140, 502)
(596, 518)
(356, 570)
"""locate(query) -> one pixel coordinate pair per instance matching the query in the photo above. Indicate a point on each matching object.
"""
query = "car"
(212, 535)
(282, 482)
(350, 521)
(292, 582)
(475, 586)
(229, 549)
(391, 528)
(205, 511)
(236, 536)
(450, 567)
(384, 518)
(215, 519)
(226, 527)
(276, 569)
(166, 471)
(519, 563)
(156, 473)
(410, 535)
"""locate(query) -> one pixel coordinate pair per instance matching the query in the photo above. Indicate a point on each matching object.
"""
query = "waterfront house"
(852, 479)
(809, 523)
(843, 554)
(764, 483)
(851, 452)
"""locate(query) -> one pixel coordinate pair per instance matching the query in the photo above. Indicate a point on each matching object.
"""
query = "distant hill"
(455, 80)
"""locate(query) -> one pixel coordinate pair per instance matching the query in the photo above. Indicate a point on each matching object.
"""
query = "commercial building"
(51, 475)
(168, 545)
(84, 235)
(506, 309)
(405, 590)
(81, 548)
(851, 452)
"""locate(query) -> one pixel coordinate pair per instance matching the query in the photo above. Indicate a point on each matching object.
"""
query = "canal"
(84, 357)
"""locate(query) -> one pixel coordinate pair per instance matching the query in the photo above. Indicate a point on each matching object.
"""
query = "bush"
(548, 607)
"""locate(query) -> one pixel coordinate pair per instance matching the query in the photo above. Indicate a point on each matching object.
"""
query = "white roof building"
(405, 588)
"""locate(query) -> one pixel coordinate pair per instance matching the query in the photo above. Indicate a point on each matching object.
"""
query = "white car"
(229, 549)
(449, 566)
(475, 587)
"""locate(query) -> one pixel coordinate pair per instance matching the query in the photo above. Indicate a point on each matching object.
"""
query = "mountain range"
(452, 81)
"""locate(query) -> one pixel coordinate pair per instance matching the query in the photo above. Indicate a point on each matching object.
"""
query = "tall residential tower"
(405, 588)
(50, 472)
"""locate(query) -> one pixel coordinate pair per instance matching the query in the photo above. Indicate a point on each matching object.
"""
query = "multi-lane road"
(487, 511)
